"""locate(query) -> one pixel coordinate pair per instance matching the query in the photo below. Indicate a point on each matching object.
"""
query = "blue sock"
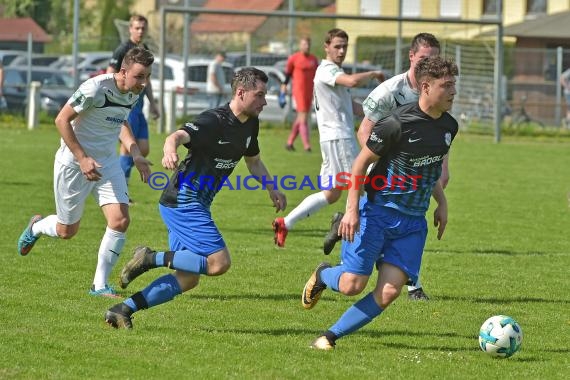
(358, 315)
(126, 163)
(331, 277)
(161, 290)
(184, 260)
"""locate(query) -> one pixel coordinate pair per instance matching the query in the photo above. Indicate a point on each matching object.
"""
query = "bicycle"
(521, 116)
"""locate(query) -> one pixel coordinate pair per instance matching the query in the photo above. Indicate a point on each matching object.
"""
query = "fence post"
(33, 104)
(170, 100)
(559, 69)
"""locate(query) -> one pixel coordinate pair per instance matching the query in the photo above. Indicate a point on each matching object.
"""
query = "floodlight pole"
(499, 51)
(398, 55)
(75, 47)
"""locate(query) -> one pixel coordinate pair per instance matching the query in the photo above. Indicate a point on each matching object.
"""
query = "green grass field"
(505, 251)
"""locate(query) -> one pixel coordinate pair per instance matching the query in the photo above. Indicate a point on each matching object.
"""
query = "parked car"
(37, 60)
(7, 56)
(239, 59)
(197, 99)
(56, 88)
(88, 63)
(272, 111)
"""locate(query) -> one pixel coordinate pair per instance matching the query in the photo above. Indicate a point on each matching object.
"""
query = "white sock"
(414, 286)
(109, 251)
(46, 226)
(306, 208)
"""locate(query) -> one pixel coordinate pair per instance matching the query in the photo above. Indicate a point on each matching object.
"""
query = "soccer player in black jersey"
(216, 142)
(388, 225)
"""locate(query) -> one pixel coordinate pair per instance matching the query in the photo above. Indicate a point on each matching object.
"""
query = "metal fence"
(530, 91)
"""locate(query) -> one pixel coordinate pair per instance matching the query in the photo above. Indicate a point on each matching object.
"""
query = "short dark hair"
(424, 39)
(137, 55)
(248, 77)
(335, 33)
(434, 67)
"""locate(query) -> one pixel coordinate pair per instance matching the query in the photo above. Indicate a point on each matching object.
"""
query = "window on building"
(535, 6)
(411, 8)
(490, 7)
(450, 8)
(370, 7)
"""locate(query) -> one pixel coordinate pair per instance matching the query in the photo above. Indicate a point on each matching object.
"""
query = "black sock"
(330, 336)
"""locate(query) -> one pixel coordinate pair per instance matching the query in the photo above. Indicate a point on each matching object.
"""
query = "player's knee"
(120, 224)
(66, 231)
(353, 285)
(186, 280)
(389, 294)
(219, 266)
(332, 195)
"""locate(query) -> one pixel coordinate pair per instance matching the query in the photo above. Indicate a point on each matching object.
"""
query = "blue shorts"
(192, 228)
(388, 236)
(137, 121)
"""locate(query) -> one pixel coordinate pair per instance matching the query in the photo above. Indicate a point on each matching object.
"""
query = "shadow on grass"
(490, 251)
(493, 300)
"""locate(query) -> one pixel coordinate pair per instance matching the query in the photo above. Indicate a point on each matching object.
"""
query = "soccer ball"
(500, 336)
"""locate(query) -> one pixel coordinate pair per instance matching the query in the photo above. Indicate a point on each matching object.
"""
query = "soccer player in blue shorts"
(216, 140)
(388, 225)
(138, 26)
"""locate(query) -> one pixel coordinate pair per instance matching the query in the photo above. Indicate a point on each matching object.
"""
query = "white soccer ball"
(500, 336)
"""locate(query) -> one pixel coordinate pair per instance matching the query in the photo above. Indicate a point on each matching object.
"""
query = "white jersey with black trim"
(102, 109)
(333, 104)
(388, 96)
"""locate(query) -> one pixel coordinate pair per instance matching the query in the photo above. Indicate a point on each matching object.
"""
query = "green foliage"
(505, 251)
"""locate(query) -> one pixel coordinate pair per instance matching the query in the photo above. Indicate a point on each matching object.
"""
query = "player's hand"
(143, 166)
(440, 219)
(379, 76)
(279, 200)
(89, 168)
(170, 160)
(154, 111)
(349, 225)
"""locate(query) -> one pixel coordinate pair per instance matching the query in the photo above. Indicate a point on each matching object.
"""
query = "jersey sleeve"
(379, 103)
(117, 58)
(385, 134)
(328, 74)
(200, 130)
(253, 146)
(84, 96)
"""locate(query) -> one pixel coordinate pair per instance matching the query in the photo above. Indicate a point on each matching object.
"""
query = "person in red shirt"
(301, 66)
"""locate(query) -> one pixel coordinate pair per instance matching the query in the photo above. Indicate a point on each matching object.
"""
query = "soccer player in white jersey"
(389, 95)
(334, 108)
(87, 162)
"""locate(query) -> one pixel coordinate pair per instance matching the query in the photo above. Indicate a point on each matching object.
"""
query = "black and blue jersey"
(218, 141)
(411, 145)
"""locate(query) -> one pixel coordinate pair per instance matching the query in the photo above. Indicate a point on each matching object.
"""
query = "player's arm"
(350, 223)
(128, 140)
(171, 144)
(444, 177)
(257, 168)
(440, 213)
(364, 131)
(358, 79)
(87, 164)
(153, 108)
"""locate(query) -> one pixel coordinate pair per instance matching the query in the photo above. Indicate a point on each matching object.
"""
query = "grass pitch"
(505, 251)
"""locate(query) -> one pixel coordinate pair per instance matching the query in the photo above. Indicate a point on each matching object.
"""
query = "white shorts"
(72, 188)
(338, 156)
